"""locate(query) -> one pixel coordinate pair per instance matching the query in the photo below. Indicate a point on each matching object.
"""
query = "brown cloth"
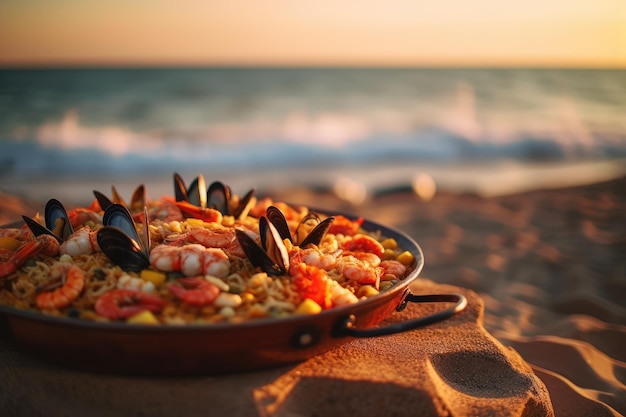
(454, 367)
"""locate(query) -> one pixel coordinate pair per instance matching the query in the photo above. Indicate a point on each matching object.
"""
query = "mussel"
(57, 222)
(217, 196)
(137, 200)
(120, 241)
(272, 256)
(196, 194)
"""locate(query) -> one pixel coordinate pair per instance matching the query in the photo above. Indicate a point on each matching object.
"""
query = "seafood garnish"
(311, 229)
(273, 256)
(217, 196)
(119, 239)
(258, 255)
(209, 256)
(45, 243)
(56, 219)
(196, 194)
(137, 200)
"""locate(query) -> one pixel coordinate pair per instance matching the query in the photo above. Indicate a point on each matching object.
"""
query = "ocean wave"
(126, 123)
(113, 151)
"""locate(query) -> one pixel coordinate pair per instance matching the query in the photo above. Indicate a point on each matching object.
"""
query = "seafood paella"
(204, 255)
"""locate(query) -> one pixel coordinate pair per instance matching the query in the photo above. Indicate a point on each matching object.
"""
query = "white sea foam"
(488, 131)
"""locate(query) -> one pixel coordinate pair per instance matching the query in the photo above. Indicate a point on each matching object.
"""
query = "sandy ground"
(549, 267)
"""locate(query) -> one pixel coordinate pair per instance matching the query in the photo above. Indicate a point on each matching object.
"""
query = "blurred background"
(355, 97)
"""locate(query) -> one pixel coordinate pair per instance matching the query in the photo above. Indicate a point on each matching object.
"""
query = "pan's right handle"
(346, 326)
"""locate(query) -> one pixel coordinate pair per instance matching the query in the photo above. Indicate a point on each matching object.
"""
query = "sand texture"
(550, 266)
(543, 334)
(451, 368)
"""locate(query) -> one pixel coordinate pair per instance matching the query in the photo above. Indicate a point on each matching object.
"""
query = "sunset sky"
(320, 32)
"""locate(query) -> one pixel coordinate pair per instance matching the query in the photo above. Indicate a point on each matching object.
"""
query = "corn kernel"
(175, 226)
(389, 254)
(406, 258)
(366, 291)
(247, 297)
(308, 306)
(389, 243)
(145, 317)
(155, 277)
(9, 243)
(228, 221)
(195, 222)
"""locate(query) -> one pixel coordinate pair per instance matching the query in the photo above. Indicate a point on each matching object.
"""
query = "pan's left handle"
(346, 326)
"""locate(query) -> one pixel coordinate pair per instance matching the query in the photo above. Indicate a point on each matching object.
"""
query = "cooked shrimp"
(313, 256)
(164, 210)
(191, 260)
(121, 304)
(202, 213)
(363, 243)
(44, 244)
(219, 237)
(359, 270)
(127, 282)
(22, 234)
(81, 242)
(195, 291)
(66, 283)
(215, 237)
(365, 257)
(345, 226)
(83, 216)
(392, 269)
(339, 295)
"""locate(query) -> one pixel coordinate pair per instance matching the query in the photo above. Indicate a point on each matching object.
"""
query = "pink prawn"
(195, 291)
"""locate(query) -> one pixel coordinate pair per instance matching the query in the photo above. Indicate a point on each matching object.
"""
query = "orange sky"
(320, 32)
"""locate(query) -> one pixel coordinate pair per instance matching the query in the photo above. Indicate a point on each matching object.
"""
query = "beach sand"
(549, 268)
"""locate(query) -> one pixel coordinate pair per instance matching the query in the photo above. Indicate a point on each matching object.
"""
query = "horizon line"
(296, 65)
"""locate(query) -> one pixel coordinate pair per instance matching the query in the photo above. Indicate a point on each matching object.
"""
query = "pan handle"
(346, 326)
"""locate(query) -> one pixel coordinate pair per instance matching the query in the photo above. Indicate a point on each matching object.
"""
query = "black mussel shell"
(55, 213)
(315, 236)
(277, 218)
(197, 192)
(138, 199)
(180, 190)
(218, 196)
(117, 197)
(56, 219)
(118, 216)
(122, 250)
(275, 247)
(103, 200)
(258, 256)
(137, 202)
(245, 204)
(37, 228)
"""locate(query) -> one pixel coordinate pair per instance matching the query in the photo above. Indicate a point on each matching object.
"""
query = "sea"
(67, 131)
